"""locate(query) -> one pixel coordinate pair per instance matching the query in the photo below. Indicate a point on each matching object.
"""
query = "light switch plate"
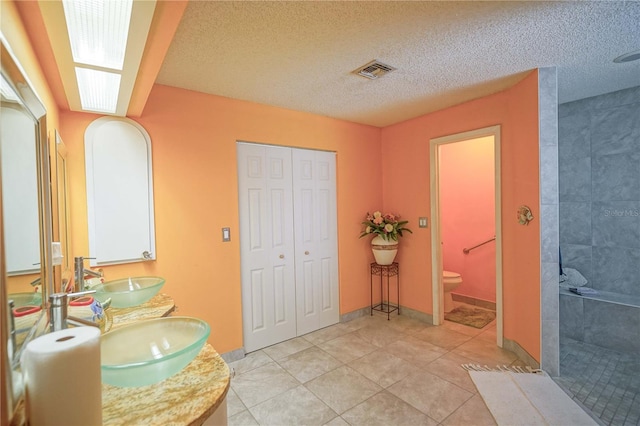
(423, 222)
(226, 235)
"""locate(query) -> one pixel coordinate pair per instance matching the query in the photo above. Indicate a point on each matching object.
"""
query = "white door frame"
(436, 238)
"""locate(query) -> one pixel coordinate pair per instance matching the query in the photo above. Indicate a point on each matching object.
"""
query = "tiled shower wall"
(599, 189)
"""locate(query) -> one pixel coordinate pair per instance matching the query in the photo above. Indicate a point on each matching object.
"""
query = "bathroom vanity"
(194, 396)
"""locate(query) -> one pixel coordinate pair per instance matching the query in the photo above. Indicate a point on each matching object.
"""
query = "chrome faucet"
(81, 272)
(59, 319)
(13, 329)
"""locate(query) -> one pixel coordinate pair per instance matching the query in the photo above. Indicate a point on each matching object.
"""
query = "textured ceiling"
(300, 55)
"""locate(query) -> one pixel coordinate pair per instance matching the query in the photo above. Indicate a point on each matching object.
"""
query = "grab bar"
(467, 250)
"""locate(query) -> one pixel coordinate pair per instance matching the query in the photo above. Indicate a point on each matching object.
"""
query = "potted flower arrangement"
(386, 229)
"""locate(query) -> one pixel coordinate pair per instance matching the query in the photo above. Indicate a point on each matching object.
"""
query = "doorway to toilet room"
(466, 238)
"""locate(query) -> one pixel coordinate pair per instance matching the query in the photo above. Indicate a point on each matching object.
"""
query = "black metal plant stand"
(387, 271)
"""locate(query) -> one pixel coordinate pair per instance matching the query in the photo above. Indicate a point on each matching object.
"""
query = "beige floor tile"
(262, 383)
(362, 322)
(309, 364)
(347, 347)
(287, 348)
(519, 363)
(386, 409)
(472, 412)
(449, 367)
(379, 335)
(415, 351)
(435, 397)
(297, 406)
(488, 334)
(442, 336)
(234, 404)
(407, 325)
(244, 418)
(338, 421)
(382, 367)
(249, 362)
(326, 333)
(343, 388)
(485, 352)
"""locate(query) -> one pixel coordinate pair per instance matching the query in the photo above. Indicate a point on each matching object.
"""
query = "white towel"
(572, 278)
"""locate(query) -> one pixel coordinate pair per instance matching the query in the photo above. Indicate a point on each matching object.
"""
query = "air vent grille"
(374, 69)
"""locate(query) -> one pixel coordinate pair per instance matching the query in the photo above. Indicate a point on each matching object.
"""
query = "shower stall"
(599, 196)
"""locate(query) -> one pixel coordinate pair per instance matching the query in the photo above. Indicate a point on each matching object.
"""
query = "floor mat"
(468, 315)
(527, 399)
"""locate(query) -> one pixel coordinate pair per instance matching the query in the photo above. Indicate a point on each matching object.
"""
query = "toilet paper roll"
(62, 378)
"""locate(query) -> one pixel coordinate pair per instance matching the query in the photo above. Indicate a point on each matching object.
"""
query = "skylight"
(98, 31)
(98, 89)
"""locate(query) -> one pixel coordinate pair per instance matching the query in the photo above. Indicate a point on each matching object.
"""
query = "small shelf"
(388, 271)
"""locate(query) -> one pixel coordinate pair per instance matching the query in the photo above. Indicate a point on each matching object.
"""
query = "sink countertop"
(186, 398)
(158, 306)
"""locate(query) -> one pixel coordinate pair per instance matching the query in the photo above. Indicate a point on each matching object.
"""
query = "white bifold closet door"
(288, 242)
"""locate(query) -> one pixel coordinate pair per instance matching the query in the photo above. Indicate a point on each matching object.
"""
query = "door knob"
(281, 256)
(306, 253)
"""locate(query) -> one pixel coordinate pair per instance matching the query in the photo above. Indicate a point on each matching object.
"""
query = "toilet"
(450, 281)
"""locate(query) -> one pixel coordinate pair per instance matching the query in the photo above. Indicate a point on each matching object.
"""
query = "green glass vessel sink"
(128, 292)
(25, 299)
(150, 351)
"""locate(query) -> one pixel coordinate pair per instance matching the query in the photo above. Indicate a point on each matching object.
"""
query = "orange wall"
(195, 192)
(467, 214)
(406, 189)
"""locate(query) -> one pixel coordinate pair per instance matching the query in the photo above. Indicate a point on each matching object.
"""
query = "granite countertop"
(158, 306)
(186, 398)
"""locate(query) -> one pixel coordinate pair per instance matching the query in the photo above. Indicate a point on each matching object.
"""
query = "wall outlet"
(423, 222)
(226, 235)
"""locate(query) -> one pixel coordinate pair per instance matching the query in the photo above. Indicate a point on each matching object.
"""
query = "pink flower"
(378, 220)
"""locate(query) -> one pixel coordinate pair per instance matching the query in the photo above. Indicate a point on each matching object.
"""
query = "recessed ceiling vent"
(374, 69)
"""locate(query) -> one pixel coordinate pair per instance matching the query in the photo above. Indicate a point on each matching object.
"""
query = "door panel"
(308, 289)
(280, 294)
(266, 244)
(325, 284)
(316, 247)
(257, 300)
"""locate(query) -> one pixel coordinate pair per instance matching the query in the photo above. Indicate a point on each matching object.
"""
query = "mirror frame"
(17, 79)
(62, 271)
